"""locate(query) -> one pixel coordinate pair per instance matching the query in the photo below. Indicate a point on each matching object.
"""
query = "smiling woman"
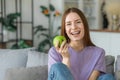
(91, 9)
(74, 26)
(70, 61)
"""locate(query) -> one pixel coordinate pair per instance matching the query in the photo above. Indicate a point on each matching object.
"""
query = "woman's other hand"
(63, 50)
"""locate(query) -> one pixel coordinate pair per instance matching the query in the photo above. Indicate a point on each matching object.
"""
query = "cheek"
(82, 26)
(83, 33)
(67, 30)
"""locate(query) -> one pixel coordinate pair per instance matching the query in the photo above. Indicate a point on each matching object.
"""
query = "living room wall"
(27, 14)
(40, 19)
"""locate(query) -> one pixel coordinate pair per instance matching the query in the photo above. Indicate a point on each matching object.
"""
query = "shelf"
(2, 45)
(105, 30)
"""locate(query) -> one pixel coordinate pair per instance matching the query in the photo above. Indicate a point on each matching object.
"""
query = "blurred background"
(34, 23)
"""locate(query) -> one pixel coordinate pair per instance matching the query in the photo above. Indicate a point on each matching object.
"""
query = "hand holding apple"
(59, 39)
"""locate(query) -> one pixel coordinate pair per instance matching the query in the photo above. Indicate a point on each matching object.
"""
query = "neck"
(77, 45)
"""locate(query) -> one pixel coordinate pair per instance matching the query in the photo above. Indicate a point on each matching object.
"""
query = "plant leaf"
(59, 28)
(43, 44)
(8, 21)
(52, 8)
(46, 35)
(43, 8)
(13, 16)
(1, 19)
(20, 45)
(23, 44)
(39, 28)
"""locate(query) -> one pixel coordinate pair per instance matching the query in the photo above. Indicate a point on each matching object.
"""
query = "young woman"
(77, 58)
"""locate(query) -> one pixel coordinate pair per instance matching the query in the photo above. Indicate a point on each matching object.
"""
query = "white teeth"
(73, 33)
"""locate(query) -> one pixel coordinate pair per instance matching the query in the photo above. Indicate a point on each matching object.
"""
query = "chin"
(76, 39)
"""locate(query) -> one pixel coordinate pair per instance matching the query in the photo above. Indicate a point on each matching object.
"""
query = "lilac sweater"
(82, 62)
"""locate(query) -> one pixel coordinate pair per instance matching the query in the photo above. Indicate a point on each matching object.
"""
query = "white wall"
(109, 41)
(40, 19)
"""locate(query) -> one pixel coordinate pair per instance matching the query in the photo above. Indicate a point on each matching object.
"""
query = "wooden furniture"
(2, 45)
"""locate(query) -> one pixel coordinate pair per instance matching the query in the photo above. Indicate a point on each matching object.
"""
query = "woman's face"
(74, 27)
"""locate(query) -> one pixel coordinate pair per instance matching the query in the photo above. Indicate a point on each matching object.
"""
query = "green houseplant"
(8, 23)
(51, 13)
(20, 45)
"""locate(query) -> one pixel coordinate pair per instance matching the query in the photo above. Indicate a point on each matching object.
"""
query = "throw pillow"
(12, 59)
(109, 60)
(31, 73)
(117, 75)
(117, 68)
(37, 59)
(9, 60)
(118, 63)
(3, 51)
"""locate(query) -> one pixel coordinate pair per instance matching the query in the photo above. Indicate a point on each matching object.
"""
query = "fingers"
(57, 45)
(64, 52)
(64, 48)
(63, 44)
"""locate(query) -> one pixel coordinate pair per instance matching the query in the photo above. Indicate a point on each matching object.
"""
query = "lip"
(75, 32)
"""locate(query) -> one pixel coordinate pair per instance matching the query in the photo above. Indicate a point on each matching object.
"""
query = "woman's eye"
(78, 22)
(68, 24)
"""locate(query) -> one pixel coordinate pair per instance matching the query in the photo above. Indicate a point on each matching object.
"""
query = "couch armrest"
(109, 60)
(117, 68)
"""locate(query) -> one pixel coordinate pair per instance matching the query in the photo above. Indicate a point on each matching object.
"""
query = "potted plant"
(8, 23)
(51, 13)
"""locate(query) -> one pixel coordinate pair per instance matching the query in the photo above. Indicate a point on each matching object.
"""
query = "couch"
(23, 64)
(28, 64)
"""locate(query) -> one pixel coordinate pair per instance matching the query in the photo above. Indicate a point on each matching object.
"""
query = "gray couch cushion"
(109, 60)
(36, 59)
(13, 58)
(117, 75)
(117, 68)
(31, 73)
(118, 63)
(3, 51)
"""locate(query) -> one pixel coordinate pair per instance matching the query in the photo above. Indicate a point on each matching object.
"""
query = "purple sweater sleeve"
(53, 57)
(100, 65)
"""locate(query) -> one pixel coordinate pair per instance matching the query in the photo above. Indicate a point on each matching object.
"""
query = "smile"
(75, 33)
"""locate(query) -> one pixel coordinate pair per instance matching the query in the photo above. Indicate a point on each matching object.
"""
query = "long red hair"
(86, 39)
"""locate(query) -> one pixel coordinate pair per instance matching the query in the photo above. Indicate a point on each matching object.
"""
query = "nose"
(73, 26)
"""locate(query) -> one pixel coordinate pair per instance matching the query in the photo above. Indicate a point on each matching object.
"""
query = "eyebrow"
(75, 20)
(78, 20)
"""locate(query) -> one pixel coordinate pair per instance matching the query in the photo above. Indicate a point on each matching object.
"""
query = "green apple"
(59, 39)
